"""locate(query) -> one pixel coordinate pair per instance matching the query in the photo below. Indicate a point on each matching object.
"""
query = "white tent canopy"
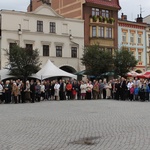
(4, 74)
(50, 70)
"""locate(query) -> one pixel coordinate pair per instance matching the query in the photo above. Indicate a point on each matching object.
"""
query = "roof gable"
(46, 10)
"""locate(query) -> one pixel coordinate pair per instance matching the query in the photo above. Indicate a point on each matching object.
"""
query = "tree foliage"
(124, 61)
(96, 60)
(22, 62)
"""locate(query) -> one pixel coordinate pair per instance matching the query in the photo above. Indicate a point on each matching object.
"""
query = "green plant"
(107, 19)
(104, 19)
(111, 20)
(100, 18)
(94, 18)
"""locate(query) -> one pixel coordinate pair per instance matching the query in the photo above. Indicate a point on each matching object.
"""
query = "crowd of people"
(35, 91)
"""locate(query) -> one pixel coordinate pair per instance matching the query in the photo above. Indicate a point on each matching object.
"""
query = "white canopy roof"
(4, 74)
(50, 70)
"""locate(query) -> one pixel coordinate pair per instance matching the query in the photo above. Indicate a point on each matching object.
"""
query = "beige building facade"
(57, 38)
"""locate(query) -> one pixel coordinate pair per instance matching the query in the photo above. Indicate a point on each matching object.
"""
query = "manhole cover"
(86, 141)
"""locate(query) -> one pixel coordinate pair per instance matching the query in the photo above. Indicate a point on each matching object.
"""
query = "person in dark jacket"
(32, 89)
(62, 90)
(7, 89)
(123, 88)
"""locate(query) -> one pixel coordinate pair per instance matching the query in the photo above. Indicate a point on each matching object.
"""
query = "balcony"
(101, 19)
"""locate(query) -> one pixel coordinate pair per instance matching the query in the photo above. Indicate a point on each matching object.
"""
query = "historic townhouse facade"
(147, 20)
(148, 46)
(100, 16)
(132, 35)
(57, 38)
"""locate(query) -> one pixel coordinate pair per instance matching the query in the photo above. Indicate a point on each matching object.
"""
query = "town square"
(75, 125)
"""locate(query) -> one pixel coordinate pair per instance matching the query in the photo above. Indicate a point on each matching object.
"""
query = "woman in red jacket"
(69, 90)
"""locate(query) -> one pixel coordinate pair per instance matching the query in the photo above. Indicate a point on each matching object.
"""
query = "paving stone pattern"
(75, 125)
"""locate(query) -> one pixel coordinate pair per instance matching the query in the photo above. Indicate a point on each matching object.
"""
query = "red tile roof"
(109, 3)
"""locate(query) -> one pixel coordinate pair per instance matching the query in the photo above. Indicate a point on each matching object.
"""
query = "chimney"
(139, 19)
(123, 17)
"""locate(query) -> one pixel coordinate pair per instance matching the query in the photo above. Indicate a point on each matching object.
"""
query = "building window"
(108, 32)
(109, 50)
(58, 51)
(100, 31)
(101, 48)
(11, 45)
(95, 12)
(52, 27)
(29, 46)
(132, 37)
(74, 52)
(139, 56)
(39, 26)
(45, 50)
(139, 39)
(93, 31)
(124, 37)
(105, 13)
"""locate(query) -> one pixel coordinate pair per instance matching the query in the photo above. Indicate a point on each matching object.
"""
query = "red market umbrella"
(133, 74)
(147, 74)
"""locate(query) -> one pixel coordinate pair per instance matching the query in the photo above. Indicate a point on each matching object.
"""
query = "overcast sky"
(129, 7)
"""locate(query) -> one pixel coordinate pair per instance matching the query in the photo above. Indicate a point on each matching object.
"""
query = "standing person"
(101, 87)
(62, 90)
(56, 88)
(32, 89)
(96, 90)
(129, 85)
(132, 93)
(78, 90)
(47, 90)
(69, 90)
(1, 92)
(52, 90)
(15, 92)
(104, 89)
(7, 89)
(123, 88)
(83, 90)
(108, 90)
(74, 89)
(136, 92)
(89, 88)
(42, 91)
(27, 92)
(117, 89)
(38, 92)
(22, 88)
(147, 91)
(114, 89)
(19, 90)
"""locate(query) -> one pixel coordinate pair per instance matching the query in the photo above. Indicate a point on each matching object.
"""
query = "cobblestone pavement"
(75, 125)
